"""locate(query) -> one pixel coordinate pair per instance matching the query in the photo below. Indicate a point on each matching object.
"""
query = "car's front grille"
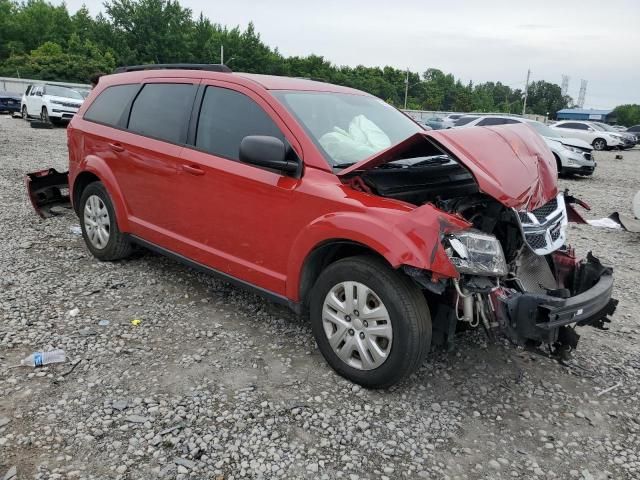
(545, 210)
(544, 227)
(587, 156)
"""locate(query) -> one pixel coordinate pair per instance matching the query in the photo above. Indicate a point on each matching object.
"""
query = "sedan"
(9, 101)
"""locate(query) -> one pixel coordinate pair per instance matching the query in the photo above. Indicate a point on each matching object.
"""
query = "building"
(605, 116)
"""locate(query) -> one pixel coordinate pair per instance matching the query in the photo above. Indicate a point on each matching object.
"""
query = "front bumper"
(62, 113)
(540, 317)
(574, 162)
(580, 170)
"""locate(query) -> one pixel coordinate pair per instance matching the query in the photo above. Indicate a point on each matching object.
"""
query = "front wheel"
(371, 323)
(99, 227)
(599, 144)
(44, 115)
(25, 115)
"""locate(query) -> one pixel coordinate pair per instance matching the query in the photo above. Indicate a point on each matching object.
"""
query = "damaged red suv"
(331, 201)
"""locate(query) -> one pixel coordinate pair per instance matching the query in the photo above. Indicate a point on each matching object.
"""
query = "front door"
(237, 218)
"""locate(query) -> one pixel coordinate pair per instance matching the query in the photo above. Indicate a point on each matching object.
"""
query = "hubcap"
(357, 325)
(96, 222)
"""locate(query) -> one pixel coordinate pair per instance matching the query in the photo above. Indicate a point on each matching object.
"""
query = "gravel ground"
(216, 383)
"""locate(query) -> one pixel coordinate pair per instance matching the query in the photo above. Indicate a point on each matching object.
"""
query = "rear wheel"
(99, 227)
(370, 322)
(599, 144)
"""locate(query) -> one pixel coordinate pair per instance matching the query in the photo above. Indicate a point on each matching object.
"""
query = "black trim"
(195, 115)
(269, 295)
(210, 67)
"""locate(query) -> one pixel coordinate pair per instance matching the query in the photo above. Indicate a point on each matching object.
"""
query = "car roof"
(268, 82)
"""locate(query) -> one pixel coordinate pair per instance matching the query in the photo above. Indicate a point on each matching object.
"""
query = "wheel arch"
(324, 255)
(94, 169)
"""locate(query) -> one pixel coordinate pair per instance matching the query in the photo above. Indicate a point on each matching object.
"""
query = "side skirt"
(267, 294)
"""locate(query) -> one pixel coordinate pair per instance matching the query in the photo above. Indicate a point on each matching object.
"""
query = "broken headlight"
(476, 253)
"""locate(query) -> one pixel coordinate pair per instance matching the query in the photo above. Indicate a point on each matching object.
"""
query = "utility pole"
(406, 89)
(222, 54)
(583, 93)
(526, 92)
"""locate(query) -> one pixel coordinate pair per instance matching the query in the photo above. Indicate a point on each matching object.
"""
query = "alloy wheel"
(96, 222)
(357, 325)
(599, 144)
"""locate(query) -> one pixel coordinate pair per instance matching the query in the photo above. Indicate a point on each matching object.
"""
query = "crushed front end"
(520, 276)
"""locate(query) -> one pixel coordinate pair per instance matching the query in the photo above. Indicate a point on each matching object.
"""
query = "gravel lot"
(216, 383)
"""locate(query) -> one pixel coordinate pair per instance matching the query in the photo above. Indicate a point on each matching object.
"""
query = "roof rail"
(210, 67)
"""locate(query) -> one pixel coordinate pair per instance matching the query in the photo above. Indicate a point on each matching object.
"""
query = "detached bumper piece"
(548, 317)
(48, 189)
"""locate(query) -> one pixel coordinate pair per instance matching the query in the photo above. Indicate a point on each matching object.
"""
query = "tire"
(44, 115)
(559, 165)
(116, 246)
(408, 316)
(25, 114)
(599, 144)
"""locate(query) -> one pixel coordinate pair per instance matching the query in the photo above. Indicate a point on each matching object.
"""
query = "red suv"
(331, 201)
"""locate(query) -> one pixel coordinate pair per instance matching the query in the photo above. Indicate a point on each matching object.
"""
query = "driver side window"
(226, 117)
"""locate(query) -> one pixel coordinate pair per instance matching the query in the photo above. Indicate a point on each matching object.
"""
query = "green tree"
(628, 114)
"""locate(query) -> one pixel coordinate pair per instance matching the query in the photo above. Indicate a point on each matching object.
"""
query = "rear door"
(147, 156)
(237, 218)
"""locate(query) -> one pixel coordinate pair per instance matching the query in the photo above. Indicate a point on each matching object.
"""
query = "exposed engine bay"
(517, 273)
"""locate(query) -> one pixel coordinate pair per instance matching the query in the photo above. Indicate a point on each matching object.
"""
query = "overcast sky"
(485, 40)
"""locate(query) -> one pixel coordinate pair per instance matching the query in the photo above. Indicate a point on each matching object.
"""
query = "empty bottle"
(38, 359)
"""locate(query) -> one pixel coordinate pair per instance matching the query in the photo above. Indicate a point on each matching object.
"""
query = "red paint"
(260, 226)
(511, 164)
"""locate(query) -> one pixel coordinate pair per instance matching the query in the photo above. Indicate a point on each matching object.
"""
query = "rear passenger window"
(226, 117)
(162, 111)
(110, 104)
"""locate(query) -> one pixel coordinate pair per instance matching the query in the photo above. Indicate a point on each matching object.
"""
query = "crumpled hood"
(510, 163)
(573, 142)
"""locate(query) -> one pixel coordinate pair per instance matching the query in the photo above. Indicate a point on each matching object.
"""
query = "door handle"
(116, 147)
(192, 170)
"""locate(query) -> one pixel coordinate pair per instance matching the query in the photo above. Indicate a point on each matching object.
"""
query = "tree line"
(44, 41)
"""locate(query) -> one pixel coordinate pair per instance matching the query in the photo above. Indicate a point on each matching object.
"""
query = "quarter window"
(109, 106)
(226, 117)
(162, 111)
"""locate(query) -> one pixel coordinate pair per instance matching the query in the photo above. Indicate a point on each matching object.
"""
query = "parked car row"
(600, 135)
(50, 103)
(328, 200)
(572, 155)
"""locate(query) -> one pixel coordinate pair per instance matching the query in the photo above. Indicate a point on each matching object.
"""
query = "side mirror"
(268, 152)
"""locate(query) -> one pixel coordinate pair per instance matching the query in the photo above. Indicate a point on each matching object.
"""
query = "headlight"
(619, 137)
(573, 149)
(476, 253)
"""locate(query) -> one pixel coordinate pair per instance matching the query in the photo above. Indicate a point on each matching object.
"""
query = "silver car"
(572, 154)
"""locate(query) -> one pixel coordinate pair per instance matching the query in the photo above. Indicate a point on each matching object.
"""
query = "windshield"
(543, 130)
(604, 127)
(58, 91)
(348, 128)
